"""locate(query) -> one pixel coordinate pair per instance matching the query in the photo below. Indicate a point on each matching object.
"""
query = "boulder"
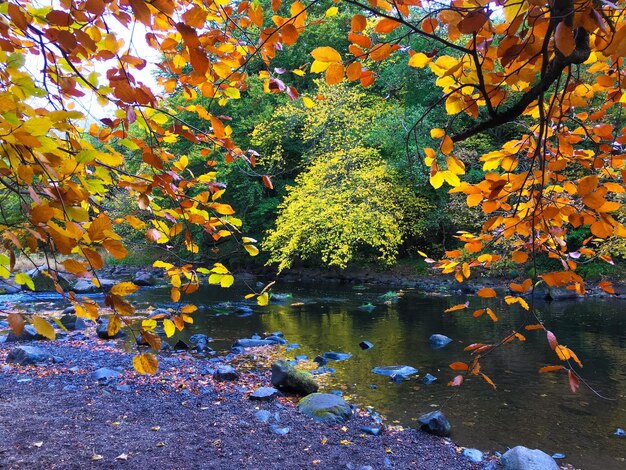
(325, 408)
(144, 279)
(103, 333)
(43, 283)
(395, 371)
(337, 356)
(364, 345)
(26, 355)
(84, 286)
(435, 423)
(473, 455)
(286, 377)
(71, 322)
(523, 458)
(225, 373)
(29, 334)
(439, 341)
(264, 394)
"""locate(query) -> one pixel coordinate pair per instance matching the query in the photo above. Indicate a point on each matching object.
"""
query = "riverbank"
(59, 415)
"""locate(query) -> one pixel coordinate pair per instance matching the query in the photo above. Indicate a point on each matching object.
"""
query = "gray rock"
(84, 286)
(523, 458)
(26, 355)
(29, 334)
(71, 322)
(391, 371)
(225, 373)
(439, 341)
(69, 310)
(252, 343)
(144, 279)
(103, 333)
(473, 455)
(4, 324)
(105, 374)
(285, 377)
(43, 283)
(372, 430)
(325, 408)
(263, 416)
(435, 423)
(322, 361)
(278, 430)
(337, 356)
(264, 394)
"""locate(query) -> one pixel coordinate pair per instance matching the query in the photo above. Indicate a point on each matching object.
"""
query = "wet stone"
(391, 371)
(428, 379)
(337, 356)
(438, 341)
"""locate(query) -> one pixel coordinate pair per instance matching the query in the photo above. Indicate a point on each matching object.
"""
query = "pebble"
(278, 430)
(372, 430)
(558, 455)
(263, 416)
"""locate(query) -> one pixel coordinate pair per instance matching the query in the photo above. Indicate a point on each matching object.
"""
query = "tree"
(550, 71)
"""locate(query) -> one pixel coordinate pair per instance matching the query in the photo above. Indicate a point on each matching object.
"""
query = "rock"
(395, 371)
(264, 394)
(181, 345)
(43, 283)
(29, 334)
(71, 322)
(293, 346)
(285, 377)
(4, 325)
(252, 343)
(473, 455)
(159, 314)
(523, 458)
(367, 307)
(435, 423)
(278, 430)
(325, 408)
(224, 373)
(69, 310)
(26, 355)
(263, 416)
(323, 370)
(237, 350)
(243, 311)
(620, 432)
(365, 345)
(104, 374)
(439, 341)
(558, 455)
(276, 339)
(103, 333)
(322, 361)
(10, 288)
(144, 279)
(337, 356)
(428, 379)
(301, 358)
(372, 430)
(84, 286)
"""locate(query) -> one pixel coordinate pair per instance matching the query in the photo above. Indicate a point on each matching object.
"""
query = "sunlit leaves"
(124, 288)
(43, 327)
(486, 293)
(146, 363)
(16, 323)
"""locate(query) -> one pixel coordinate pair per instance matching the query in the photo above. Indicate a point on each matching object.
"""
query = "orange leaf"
(267, 182)
(486, 293)
(492, 315)
(564, 39)
(386, 25)
(551, 339)
(478, 313)
(545, 369)
(457, 307)
(16, 322)
(334, 73)
(489, 381)
(473, 22)
(533, 327)
(587, 184)
(574, 381)
(326, 54)
(519, 256)
(358, 23)
(460, 366)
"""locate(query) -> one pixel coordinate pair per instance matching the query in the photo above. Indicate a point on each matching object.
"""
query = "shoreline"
(183, 418)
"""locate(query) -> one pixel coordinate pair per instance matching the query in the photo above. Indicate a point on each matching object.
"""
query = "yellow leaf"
(253, 250)
(332, 11)
(146, 363)
(263, 299)
(309, 103)
(436, 180)
(326, 54)
(169, 327)
(124, 288)
(43, 327)
(227, 280)
(419, 60)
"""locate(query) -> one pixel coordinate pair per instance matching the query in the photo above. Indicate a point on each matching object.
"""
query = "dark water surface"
(526, 409)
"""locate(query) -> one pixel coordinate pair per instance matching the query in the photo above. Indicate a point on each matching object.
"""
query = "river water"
(527, 408)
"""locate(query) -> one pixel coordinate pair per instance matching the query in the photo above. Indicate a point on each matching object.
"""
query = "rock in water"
(428, 379)
(473, 455)
(523, 458)
(365, 345)
(435, 423)
(439, 341)
(264, 394)
(143, 278)
(276, 339)
(252, 343)
(224, 373)
(337, 356)
(26, 355)
(395, 371)
(285, 377)
(103, 330)
(325, 408)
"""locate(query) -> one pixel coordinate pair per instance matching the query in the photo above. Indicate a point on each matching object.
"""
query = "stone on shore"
(523, 458)
(105, 374)
(286, 377)
(44, 283)
(264, 394)
(26, 355)
(225, 373)
(325, 408)
(28, 334)
(435, 423)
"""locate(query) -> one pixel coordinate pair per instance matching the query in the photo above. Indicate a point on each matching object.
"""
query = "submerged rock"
(395, 371)
(523, 458)
(144, 279)
(26, 355)
(286, 377)
(325, 408)
(368, 307)
(435, 423)
(438, 341)
(337, 356)
(322, 361)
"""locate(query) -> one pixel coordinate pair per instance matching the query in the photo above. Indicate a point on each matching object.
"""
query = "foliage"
(345, 201)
